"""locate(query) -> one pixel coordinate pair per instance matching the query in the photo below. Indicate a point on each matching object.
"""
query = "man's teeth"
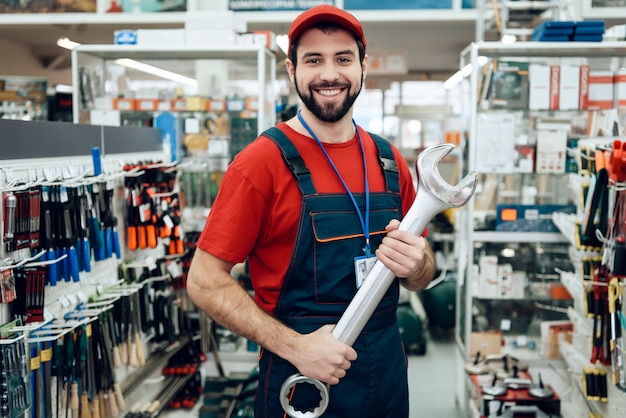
(329, 92)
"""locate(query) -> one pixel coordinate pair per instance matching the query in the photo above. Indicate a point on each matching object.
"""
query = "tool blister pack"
(15, 396)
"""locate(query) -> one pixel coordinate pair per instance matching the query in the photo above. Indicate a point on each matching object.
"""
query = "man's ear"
(290, 68)
(364, 66)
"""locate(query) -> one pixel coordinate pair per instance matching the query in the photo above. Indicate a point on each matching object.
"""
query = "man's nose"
(329, 72)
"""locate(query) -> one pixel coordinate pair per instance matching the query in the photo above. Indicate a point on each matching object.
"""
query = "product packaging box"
(488, 282)
(487, 343)
(569, 87)
(601, 86)
(529, 218)
(539, 87)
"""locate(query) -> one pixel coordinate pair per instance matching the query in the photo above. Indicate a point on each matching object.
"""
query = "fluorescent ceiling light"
(159, 72)
(464, 72)
(139, 66)
(67, 43)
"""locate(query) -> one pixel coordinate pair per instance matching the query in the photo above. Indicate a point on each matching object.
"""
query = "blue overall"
(319, 284)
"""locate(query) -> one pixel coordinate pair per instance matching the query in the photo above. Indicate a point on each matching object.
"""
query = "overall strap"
(292, 158)
(387, 163)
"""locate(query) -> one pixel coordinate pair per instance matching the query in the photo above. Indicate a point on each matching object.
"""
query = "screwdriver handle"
(73, 263)
(116, 244)
(74, 402)
(119, 398)
(85, 250)
(95, 407)
(53, 269)
(131, 237)
(108, 242)
(84, 406)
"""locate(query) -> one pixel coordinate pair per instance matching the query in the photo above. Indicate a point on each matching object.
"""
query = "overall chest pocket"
(338, 239)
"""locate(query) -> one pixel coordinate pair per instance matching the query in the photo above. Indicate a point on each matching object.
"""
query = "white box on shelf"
(216, 20)
(518, 284)
(495, 138)
(569, 87)
(539, 87)
(488, 285)
(601, 86)
(505, 285)
(160, 37)
(551, 150)
(210, 37)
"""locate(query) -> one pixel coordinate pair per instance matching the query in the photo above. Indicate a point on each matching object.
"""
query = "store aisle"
(432, 380)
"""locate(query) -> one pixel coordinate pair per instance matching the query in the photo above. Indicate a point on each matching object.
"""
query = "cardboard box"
(147, 105)
(216, 105)
(551, 151)
(551, 334)
(601, 90)
(178, 104)
(121, 103)
(487, 343)
(620, 87)
(195, 103)
(529, 218)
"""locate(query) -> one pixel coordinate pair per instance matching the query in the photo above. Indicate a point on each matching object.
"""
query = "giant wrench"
(434, 195)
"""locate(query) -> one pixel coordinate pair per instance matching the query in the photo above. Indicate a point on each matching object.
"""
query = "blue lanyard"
(365, 224)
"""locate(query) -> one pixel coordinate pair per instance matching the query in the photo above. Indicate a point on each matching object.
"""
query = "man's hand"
(408, 256)
(320, 355)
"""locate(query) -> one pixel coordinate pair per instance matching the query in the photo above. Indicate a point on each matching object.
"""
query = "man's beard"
(329, 113)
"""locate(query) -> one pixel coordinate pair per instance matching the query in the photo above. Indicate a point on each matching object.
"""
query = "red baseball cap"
(325, 13)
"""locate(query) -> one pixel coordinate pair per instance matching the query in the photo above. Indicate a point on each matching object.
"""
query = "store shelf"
(554, 190)
(170, 52)
(547, 49)
(530, 237)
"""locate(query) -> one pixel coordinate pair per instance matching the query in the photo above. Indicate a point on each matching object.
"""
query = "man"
(307, 204)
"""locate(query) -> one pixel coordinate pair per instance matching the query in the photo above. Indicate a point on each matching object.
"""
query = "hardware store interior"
(120, 118)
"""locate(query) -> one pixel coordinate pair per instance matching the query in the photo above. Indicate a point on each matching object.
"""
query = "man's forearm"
(218, 294)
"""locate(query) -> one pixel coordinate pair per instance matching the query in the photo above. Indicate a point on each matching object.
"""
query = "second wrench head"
(430, 178)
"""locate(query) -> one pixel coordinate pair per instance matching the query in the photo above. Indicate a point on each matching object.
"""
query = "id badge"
(362, 267)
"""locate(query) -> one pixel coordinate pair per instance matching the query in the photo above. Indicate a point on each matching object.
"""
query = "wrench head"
(430, 178)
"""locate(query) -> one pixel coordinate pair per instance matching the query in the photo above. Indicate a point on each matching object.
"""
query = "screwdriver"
(10, 205)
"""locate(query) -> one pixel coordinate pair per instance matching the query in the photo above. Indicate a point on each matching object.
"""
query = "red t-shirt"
(256, 212)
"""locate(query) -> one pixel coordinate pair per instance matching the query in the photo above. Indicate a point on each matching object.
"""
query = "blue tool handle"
(116, 244)
(67, 268)
(73, 262)
(97, 161)
(58, 253)
(53, 269)
(108, 242)
(86, 251)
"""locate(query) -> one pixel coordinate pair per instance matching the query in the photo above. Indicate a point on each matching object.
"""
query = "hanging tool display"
(600, 345)
(14, 373)
(21, 217)
(152, 209)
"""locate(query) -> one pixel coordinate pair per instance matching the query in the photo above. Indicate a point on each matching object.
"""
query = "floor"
(432, 379)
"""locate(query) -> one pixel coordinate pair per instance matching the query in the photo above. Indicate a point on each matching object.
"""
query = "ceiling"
(430, 42)
(431, 47)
